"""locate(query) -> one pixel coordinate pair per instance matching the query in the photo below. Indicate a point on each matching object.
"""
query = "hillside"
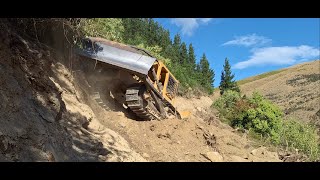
(295, 89)
(49, 113)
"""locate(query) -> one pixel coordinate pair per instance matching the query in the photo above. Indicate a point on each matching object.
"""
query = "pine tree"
(176, 46)
(227, 81)
(165, 40)
(183, 54)
(191, 58)
(177, 41)
(207, 74)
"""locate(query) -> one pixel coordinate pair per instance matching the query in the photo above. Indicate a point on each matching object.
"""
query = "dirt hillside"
(50, 112)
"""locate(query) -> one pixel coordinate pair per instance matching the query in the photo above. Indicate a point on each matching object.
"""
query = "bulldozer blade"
(118, 55)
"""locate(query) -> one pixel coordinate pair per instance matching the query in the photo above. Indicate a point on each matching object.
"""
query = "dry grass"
(295, 89)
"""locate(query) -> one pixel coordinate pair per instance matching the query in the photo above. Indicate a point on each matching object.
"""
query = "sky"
(252, 45)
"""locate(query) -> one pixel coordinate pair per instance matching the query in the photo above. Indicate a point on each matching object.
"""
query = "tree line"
(176, 54)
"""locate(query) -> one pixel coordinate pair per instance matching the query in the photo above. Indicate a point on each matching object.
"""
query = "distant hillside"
(295, 89)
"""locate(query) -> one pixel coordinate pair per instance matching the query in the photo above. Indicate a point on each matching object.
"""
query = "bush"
(225, 105)
(255, 113)
(264, 119)
(227, 100)
(296, 135)
(109, 28)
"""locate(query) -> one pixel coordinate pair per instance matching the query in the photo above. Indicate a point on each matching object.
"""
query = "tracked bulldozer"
(147, 86)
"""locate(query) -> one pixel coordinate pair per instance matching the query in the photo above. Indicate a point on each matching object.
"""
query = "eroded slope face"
(44, 113)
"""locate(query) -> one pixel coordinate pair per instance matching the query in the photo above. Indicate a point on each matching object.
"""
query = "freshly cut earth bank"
(48, 113)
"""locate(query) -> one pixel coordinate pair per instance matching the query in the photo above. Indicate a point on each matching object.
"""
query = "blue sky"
(252, 45)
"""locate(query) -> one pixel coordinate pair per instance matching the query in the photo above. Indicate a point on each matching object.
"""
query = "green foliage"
(262, 118)
(183, 54)
(109, 28)
(148, 34)
(254, 113)
(227, 100)
(206, 75)
(297, 135)
(227, 81)
(191, 58)
(156, 52)
(176, 41)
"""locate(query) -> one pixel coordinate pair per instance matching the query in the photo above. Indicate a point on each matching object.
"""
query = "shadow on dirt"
(35, 124)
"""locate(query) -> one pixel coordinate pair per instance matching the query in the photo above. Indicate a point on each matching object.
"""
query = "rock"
(103, 158)
(178, 142)
(214, 156)
(259, 151)
(145, 155)
(122, 125)
(263, 154)
(199, 109)
(121, 159)
(51, 157)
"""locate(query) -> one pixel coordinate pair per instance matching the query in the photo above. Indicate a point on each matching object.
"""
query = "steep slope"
(44, 115)
(295, 89)
(49, 113)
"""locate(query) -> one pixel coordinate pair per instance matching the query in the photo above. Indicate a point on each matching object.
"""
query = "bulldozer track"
(143, 109)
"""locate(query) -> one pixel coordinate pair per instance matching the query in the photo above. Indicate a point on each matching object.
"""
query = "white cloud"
(285, 55)
(205, 20)
(189, 25)
(248, 40)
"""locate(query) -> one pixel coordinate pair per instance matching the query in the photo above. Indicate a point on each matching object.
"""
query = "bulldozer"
(147, 86)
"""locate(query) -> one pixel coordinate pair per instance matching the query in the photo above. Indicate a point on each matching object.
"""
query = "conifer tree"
(227, 81)
(207, 74)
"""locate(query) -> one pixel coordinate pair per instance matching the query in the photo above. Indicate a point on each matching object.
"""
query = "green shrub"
(109, 28)
(225, 105)
(297, 135)
(227, 100)
(264, 121)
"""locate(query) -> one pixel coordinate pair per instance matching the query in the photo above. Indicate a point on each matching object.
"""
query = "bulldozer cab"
(163, 81)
